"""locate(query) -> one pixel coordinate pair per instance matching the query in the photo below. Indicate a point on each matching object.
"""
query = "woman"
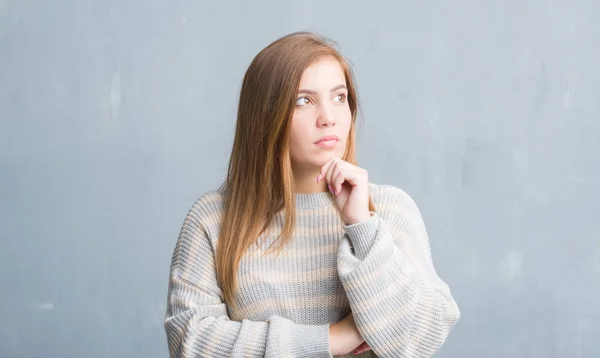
(298, 254)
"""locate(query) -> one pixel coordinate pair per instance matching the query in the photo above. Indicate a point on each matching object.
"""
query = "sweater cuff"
(362, 235)
(313, 341)
(304, 340)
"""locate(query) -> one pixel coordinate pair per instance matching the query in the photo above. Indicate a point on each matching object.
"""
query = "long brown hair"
(259, 182)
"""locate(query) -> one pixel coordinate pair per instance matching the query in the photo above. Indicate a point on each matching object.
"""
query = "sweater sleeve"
(197, 323)
(400, 305)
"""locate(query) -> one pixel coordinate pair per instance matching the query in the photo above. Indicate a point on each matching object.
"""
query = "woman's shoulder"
(207, 210)
(395, 205)
(386, 194)
(392, 201)
(210, 200)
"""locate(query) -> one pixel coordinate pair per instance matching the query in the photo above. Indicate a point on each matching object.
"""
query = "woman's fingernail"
(330, 189)
(319, 177)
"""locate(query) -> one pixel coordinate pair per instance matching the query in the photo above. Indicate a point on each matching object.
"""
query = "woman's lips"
(328, 141)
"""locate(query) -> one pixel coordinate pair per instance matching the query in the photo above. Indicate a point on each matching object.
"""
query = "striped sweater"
(380, 270)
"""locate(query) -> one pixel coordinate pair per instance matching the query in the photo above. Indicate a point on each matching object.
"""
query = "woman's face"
(322, 118)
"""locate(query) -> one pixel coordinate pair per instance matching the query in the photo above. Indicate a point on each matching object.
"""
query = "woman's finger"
(339, 174)
(333, 167)
(325, 169)
(344, 174)
(338, 180)
(364, 346)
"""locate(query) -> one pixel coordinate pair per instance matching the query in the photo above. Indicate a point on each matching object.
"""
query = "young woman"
(298, 254)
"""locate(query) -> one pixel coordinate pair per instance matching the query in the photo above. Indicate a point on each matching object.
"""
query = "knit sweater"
(381, 270)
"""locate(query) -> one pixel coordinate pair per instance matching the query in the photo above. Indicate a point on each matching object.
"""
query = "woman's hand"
(349, 185)
(362, 348)
(344, 337)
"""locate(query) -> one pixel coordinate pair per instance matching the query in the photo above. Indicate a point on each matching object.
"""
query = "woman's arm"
(401, 306)
(197, 323)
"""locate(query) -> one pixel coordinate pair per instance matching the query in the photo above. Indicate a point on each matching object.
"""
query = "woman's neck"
(306, 182)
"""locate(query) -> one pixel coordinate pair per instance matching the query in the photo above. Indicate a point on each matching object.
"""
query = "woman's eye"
(302, 101)
(340, 98)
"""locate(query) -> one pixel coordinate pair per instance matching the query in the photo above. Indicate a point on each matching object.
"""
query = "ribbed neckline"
(313, 200)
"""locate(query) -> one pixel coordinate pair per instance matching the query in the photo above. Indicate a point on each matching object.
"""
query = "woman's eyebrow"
(336, 88)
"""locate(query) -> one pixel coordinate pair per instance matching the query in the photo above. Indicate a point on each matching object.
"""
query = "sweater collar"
(313, 200)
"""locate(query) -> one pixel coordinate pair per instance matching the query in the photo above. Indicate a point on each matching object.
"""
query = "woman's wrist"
(333, 339)
(365, 216)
